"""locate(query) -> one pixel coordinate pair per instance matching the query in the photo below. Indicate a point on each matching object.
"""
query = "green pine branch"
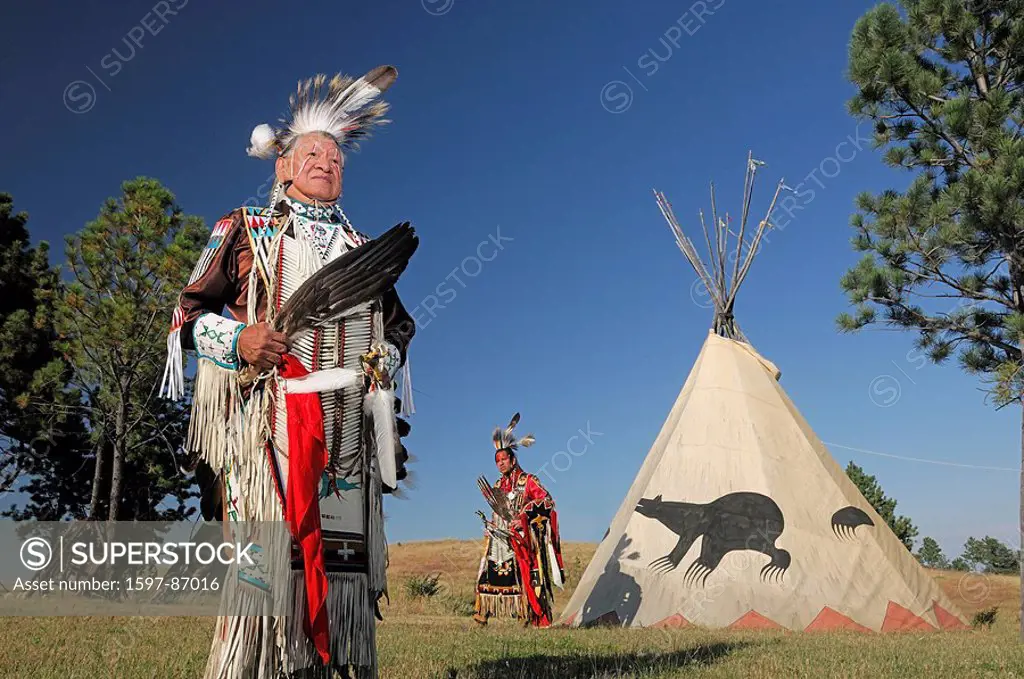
(942, 83)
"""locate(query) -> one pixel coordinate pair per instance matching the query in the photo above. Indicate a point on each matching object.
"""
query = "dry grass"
(434, 637)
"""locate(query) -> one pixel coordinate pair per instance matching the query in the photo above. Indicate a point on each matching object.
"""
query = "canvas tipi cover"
(739, 516)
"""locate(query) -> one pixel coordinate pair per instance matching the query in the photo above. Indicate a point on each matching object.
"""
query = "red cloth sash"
(526, 559)
(307, 460)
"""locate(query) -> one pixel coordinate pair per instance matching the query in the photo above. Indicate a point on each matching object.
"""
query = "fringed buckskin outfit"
(254, 432)
(522, 557)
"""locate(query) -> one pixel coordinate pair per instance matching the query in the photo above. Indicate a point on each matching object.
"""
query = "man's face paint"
(315, 167)
(505, 462)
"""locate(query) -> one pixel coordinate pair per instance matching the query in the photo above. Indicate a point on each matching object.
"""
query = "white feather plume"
(333, 115)
(334, 379)
(262, 142)
(380, 404)
(342, 107)
(556, 574)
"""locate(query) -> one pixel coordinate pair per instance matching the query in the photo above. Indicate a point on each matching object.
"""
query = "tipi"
(739, 516)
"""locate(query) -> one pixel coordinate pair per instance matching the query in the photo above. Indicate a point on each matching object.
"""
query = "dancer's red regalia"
(522, 560)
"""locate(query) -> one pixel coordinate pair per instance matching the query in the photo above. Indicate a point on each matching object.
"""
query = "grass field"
(435, 637)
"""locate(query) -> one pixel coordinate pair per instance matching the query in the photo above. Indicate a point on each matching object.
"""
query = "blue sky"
(509, 125)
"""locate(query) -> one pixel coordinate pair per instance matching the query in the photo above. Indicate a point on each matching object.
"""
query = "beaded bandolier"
(255, 261)
(522, 560)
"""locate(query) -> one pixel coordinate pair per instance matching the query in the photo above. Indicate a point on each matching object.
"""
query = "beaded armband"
(216, 339)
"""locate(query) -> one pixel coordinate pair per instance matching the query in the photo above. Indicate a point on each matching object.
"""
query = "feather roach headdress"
(504, 440)
(342, 107)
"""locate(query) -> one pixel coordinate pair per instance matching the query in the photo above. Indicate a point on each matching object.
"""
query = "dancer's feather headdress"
(343, 107)
(505, 440)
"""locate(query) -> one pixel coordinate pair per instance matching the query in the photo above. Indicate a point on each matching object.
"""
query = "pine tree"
(41, 447)
(905, 530)
(129, 265)
(991, 554)
(943, 84)
(930, 554)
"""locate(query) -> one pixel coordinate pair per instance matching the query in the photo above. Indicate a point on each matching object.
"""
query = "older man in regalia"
(299, 335)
